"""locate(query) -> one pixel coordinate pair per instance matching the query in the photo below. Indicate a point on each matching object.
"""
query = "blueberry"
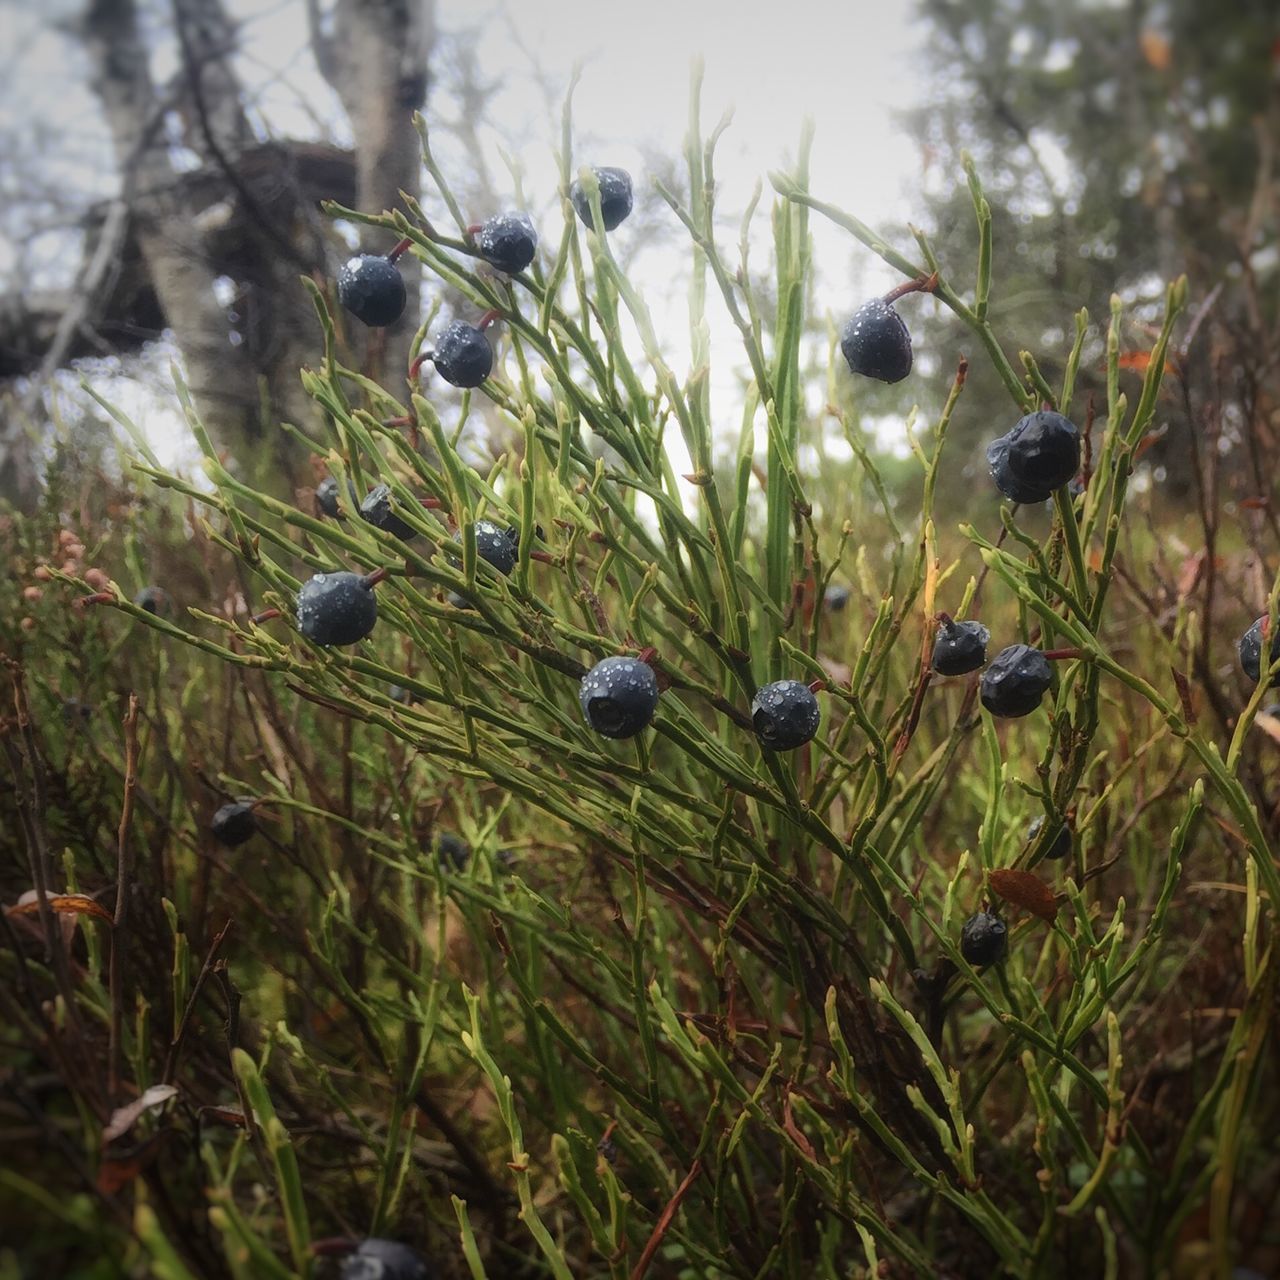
(1061, 845)
(233, 824)
(336, 608)
(1039, 454)
(463, 356)
(1251, 650)
(615, 197)
(377, 510)
(619, 696)
(960, 647)
(495, 545)
(785, 715)
(327, 498)
(876, 344)
(1016, 680)
(152, 599)
(835, 598)
(984, 939)
(508, 242)
(371, 287)
(376, 1259)
(452, 850)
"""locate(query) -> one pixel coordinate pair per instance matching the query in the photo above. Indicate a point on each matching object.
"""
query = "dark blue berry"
(785, 715)
(152, 599)
(875, 342)
(375, 1259)
(1251, 650)
(494, 545)
(233, 824)
(371, 287)
(327, 498)
(463, 356)
(615, 196)
(835, 598)
(508, 242)
(1016, 680)
(452, 850)
(619, 696)
(1059, 847)
(377, 509)
(1039, 454)
(984, 939)
(960, 647)
(336, 608)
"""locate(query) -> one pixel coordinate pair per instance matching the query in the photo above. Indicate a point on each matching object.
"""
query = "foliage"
(690, 1008)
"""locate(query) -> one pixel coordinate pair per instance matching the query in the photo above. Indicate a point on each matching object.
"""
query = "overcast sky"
(845, 66)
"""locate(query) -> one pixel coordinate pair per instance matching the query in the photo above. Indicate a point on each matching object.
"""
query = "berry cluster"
(1014, 681)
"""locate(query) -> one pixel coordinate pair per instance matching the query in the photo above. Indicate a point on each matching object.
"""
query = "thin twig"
(124, 886)
(665, 1221)
(171, 1059)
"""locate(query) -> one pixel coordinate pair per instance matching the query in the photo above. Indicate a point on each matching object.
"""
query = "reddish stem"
(475, 228)
(416, 367)
(432, 504)
(98, 597)
(405, 421)
(399, 250)
(921, 284)
(265, 616)
(377, 576)
(488, 318)
(817, 686)
(1062, 655)
(647, 655)
(333, 1247)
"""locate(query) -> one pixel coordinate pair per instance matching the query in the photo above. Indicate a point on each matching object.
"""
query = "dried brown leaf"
(1027, 891)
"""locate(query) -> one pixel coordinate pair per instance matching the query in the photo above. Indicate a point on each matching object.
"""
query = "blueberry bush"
(741, 961)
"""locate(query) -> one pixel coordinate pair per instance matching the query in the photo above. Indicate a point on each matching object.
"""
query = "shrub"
(692, 1007)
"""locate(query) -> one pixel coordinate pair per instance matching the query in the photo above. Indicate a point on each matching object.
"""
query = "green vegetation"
(689, 1007)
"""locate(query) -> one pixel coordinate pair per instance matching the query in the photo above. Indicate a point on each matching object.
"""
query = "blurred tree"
(214, 220)
(1121, 143)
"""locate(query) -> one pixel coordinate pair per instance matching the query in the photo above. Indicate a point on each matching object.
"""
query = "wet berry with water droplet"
(494, 545)
(376, 1259)
(785, 715)
(327, 498)
(371, 287)
(984, 939)
(960, 647)
(875, 342)
(463, 356)
(233, 823)
(336, 608)
(378, 509)
(1251, 650)
(1039, 453)
(1016, 681)
(1059, 847)
(615, 196)
(507, 242)
(619, 696)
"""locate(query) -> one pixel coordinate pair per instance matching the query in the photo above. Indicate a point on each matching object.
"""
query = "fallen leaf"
(1027, 891)
(77, 904)
(124, 1118)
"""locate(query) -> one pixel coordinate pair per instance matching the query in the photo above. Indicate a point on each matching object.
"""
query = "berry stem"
(416, 367)
(488, 318)
(378, 575)
(98, 597)
(647, 655)
(921, 284)
(817, 686)
(475, 228)
(1063, 655)
(399, 251)
(265, 616)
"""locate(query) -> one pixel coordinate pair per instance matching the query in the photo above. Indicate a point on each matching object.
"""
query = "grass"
(691, 1008)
